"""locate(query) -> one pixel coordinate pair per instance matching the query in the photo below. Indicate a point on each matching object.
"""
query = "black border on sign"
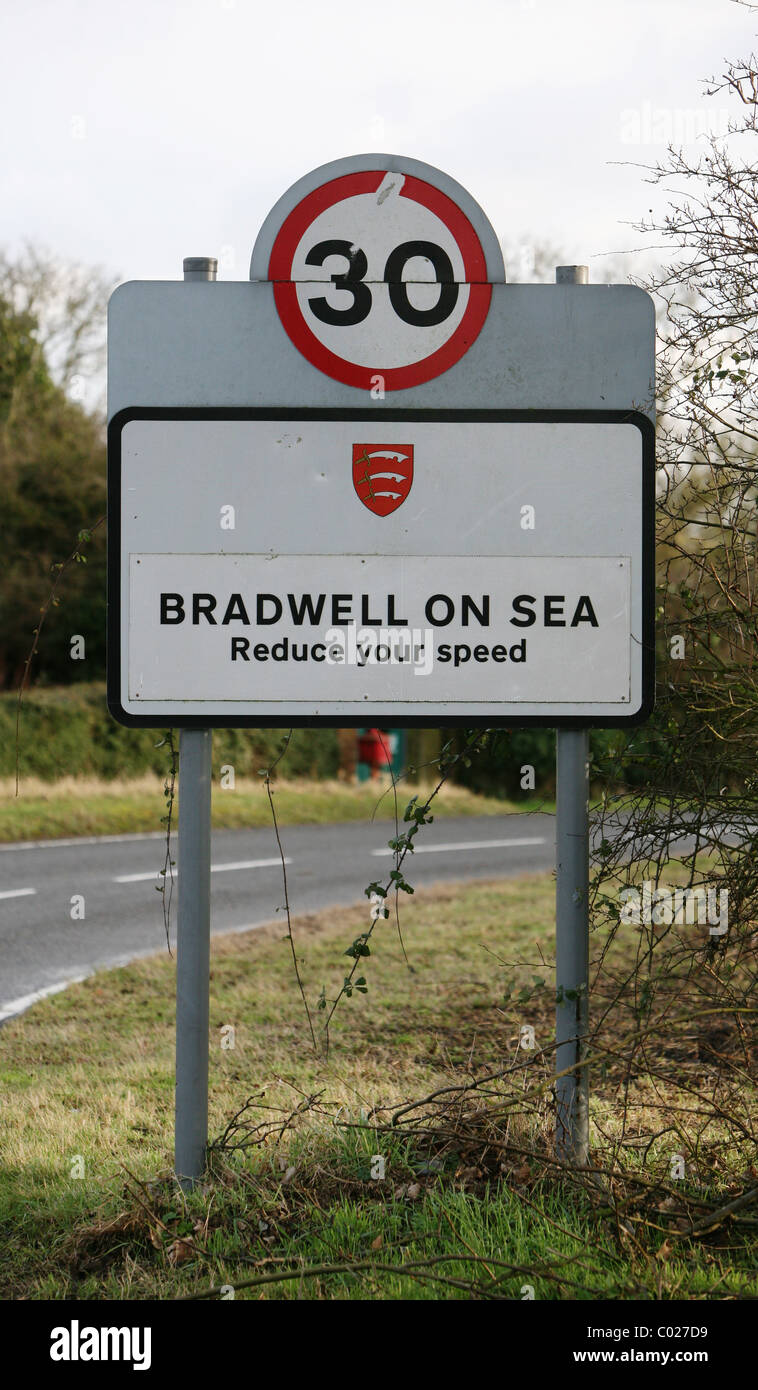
(177, 721)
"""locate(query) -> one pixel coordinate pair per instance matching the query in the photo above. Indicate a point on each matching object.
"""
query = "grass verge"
(88, 806)
(467, 1200)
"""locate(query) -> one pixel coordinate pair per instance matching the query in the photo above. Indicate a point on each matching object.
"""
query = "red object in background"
(374, 748)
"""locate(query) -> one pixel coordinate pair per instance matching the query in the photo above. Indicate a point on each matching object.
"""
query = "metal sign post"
(193, 939)
(193, 954)
(572, 928)
(572, 944)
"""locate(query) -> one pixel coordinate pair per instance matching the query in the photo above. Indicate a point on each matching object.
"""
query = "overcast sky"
(138, 133)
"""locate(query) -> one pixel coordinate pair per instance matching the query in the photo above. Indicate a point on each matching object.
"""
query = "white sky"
(138, 133)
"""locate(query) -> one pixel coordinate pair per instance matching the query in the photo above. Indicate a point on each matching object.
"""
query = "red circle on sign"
(342, 369)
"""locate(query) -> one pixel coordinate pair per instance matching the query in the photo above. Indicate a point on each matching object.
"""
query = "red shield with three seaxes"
(382, 475)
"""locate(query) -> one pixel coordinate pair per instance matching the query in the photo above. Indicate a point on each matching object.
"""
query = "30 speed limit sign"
(381, 278)
(401, 490)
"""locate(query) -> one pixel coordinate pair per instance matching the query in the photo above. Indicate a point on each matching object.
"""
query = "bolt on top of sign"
(382, 270)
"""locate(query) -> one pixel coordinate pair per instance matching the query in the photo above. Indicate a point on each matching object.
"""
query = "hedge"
(67, 731)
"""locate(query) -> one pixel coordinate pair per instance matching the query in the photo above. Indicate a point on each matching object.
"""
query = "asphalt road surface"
(42, 948)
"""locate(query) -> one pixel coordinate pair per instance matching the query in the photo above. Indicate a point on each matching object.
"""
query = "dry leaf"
(180, 1251)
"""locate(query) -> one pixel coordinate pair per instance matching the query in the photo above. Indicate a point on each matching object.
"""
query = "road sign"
(380, 277)
(482, 568)
(378, 415)
(378, 485)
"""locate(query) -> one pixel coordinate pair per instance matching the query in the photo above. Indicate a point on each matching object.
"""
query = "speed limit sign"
(382, 275)
(410, 492)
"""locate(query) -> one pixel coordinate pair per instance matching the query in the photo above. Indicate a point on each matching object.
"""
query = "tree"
(694, 818)
(52, 472)
(707, 443)
(66, 302)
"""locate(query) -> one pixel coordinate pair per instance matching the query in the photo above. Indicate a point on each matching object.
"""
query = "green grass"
(72, 807)
(87, 1078)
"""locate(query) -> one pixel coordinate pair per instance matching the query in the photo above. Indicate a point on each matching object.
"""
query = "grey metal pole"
(194, 922)
(572, 916)
(572, 944)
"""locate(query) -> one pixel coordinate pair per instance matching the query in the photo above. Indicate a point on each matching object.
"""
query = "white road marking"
(468, 844)
(215, 869)
(18, 893)
(83, 840)
(11, 1007)
(248, 864)
(142, 878)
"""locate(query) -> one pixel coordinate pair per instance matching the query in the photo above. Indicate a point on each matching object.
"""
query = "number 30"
(353, 281)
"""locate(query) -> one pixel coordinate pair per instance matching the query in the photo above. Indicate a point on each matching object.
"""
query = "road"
(43, 948)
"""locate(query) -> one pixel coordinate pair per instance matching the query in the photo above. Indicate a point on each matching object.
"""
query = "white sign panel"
(269, 629)
(284, 567)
